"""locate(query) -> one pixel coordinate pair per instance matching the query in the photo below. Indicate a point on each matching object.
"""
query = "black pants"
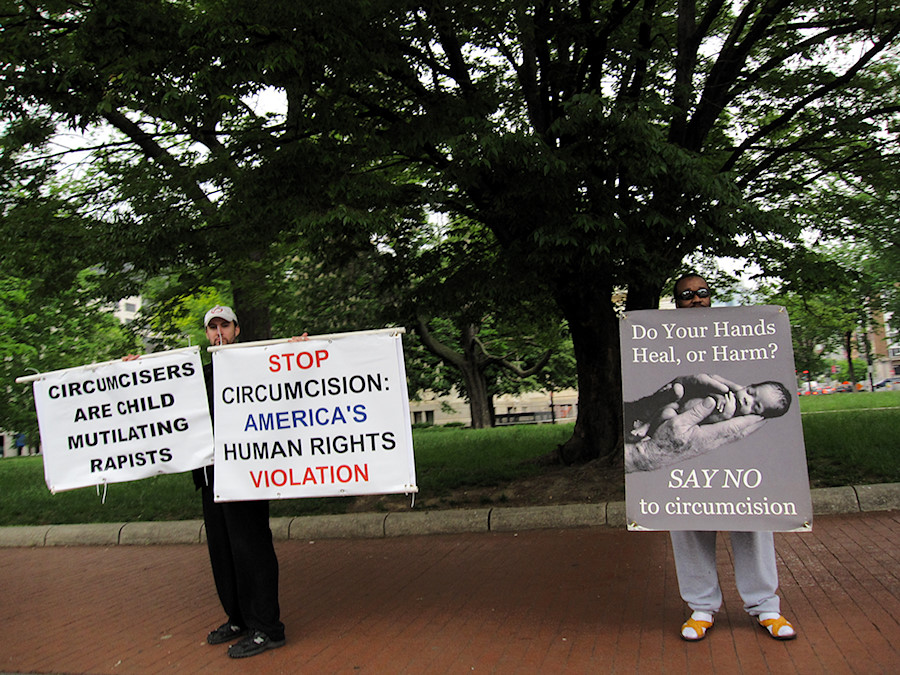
(244, 565)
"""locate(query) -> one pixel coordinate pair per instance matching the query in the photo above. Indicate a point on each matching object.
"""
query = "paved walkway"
(571, 600)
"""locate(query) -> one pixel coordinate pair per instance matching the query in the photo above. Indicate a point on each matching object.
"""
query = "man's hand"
(680, 437)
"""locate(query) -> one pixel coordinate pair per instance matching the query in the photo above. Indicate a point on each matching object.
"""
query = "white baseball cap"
(222, 312)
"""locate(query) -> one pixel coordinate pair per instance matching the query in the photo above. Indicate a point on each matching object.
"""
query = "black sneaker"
(255, 643)
(225, 633)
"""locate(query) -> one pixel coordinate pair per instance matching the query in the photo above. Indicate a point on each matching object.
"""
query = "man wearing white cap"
(244, 564)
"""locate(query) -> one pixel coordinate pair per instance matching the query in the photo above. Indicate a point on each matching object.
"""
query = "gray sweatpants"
(754, 570)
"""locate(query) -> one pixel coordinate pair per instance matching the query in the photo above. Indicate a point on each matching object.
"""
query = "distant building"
(536, 407)
(885, 349)
(126, 309)
(894, 357)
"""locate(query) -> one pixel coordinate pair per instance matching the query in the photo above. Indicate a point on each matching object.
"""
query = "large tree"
(477, 314)
(476, 328)
(598, 142)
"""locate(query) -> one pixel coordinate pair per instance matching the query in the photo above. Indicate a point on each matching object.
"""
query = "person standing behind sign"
(755, 570)
(241, 552)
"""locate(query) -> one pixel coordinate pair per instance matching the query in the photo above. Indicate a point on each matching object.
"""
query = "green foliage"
(173, 316)
(591, 146)
(835, 295)
(842, 373)
(817, 327)
(40, 333)
(483, 326)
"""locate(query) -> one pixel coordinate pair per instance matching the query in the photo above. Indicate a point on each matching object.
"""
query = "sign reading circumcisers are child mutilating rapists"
(319, 418)
(123, 420)
(713, 438)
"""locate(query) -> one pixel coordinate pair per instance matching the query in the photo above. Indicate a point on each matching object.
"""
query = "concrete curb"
(834, 500)
(825, 501)
(94, 534)
(513, 519)
(175, 532)
(357, 526)
(884, 497)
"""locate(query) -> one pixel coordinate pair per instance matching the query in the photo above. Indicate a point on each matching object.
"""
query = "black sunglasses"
(689, 294)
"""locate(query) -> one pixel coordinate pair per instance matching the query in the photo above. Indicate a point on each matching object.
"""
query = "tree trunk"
(252, 308)
(642, 294)
(481, 403)
(471, 363)
(586, 301)
(848, 345)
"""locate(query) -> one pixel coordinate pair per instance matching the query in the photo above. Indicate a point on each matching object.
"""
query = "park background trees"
(838, 309)
(40, 333)
(594, 145)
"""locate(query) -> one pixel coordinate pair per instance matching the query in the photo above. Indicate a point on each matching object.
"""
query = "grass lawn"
(850, 439)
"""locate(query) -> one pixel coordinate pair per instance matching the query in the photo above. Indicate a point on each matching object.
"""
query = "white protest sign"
(730, 456)
(123, 420)
(325, 417)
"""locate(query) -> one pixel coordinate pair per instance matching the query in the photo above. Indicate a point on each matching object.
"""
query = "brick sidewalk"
(544, 601)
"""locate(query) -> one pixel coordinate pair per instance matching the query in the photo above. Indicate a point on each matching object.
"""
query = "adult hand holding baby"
(680, 436)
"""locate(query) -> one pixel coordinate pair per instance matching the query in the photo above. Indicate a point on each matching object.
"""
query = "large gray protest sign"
(712, 421)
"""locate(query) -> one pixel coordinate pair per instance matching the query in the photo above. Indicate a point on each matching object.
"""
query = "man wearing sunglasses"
(755, 571)
(692, 291)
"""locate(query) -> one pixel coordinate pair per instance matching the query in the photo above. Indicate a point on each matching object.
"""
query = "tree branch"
(835, 84)
(436, 346)
(156, 152)
(526, 372)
